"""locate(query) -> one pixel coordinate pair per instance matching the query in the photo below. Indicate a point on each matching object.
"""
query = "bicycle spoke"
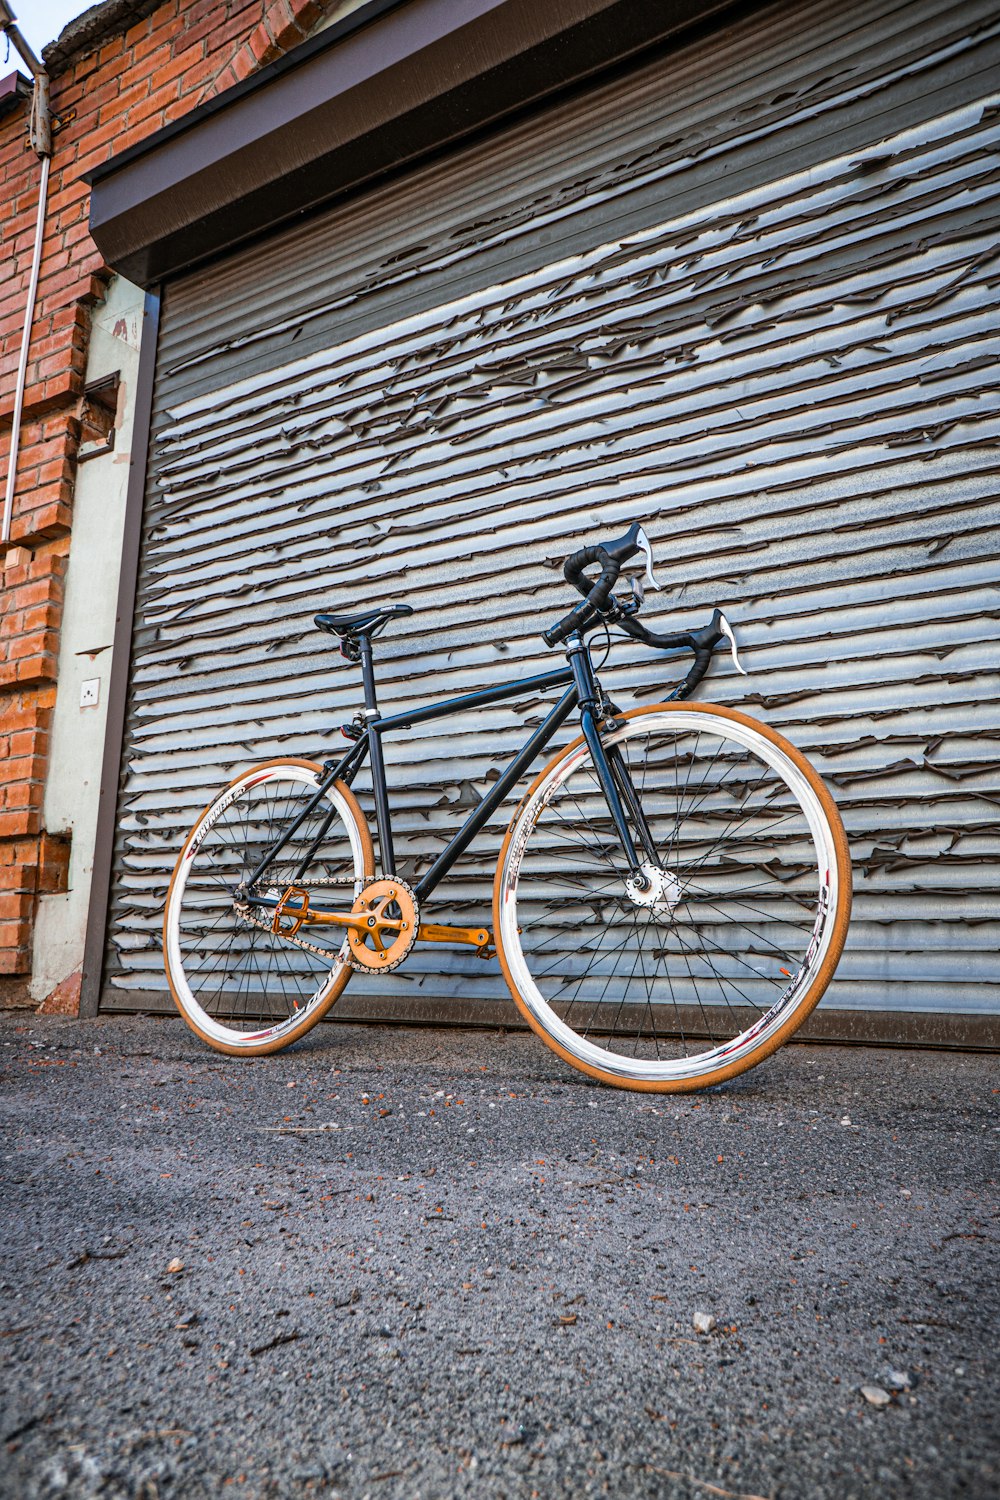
(733, 901)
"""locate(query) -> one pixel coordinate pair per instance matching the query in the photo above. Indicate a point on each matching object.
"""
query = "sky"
(40, 21)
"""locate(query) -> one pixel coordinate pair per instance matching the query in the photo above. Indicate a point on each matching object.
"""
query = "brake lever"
(727, 631)
(642, 541)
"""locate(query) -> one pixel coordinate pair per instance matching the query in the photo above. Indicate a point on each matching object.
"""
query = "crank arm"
(475, 937)
(346, 919)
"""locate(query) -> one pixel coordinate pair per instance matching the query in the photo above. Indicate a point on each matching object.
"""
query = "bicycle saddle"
(361, 622)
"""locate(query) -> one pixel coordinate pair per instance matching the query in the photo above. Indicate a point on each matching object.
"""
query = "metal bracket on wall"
(98, 413)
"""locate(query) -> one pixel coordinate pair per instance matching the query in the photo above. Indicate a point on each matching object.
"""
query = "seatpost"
(368, 672)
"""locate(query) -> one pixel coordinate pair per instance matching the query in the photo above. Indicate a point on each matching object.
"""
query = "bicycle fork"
(612, 771)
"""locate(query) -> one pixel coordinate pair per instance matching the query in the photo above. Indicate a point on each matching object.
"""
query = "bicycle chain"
(299, 942)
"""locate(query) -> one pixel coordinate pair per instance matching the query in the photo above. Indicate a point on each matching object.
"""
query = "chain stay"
(288, 938)
(327, 880)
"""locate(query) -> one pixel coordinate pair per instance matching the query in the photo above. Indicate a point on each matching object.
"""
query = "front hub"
(658, 891)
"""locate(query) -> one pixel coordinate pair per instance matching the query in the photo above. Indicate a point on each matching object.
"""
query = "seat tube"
(586, 686)
(371, 717)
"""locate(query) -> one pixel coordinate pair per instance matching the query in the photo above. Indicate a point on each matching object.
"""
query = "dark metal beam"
(856, 1028)
(392, 84)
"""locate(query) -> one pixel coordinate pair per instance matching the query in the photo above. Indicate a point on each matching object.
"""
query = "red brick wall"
(103, 102)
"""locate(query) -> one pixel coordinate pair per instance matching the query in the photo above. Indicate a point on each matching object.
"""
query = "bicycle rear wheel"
(240, 987)
(707, 965)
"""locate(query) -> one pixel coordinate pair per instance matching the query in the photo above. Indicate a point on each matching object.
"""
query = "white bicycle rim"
(184, 995)
(753, 1040)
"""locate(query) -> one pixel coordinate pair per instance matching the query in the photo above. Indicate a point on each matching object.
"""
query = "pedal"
(295, 914)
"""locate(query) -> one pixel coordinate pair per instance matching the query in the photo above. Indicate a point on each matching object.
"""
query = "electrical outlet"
(90, 691)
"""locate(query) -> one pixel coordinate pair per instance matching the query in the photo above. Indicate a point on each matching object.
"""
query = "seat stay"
(343, 770)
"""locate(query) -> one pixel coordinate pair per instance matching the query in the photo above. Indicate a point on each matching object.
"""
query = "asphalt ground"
(429, 1264)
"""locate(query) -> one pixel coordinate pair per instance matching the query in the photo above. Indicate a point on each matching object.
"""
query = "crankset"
(383, 924)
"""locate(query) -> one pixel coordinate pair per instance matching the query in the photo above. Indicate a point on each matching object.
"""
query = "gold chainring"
(390, 911)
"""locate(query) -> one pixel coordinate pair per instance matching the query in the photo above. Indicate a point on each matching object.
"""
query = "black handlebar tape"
(678, 640)
(697, 672)
(705, 639)
(608, 554)
(573, 569)
(600, 592)
(702, 642)
(577, 618)
(596, 594)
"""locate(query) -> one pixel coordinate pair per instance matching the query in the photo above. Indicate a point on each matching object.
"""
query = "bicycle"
(671, 897)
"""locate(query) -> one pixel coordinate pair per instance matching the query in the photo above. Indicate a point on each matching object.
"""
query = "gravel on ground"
(423, 1264)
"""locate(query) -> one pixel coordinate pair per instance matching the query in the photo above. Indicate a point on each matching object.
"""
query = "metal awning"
(390, 84)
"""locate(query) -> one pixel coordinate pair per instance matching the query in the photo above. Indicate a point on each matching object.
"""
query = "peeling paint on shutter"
(748, 294)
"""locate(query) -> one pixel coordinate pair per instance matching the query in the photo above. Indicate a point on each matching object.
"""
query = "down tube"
(482, 814)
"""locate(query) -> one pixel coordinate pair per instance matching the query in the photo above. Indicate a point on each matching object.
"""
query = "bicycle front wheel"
(717, 953)
(241, 987)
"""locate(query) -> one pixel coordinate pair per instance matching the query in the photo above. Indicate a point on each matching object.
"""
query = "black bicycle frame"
(582, 690)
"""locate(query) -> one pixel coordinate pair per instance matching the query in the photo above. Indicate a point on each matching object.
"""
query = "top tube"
(447, 706)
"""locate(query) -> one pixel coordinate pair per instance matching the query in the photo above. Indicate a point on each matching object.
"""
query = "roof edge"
(288, 61)
(14, 89)
(89, 31)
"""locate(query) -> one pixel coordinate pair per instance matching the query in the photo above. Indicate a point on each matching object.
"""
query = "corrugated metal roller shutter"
(748, 293)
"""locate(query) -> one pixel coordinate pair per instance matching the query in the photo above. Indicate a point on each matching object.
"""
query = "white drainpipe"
(40, 137)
